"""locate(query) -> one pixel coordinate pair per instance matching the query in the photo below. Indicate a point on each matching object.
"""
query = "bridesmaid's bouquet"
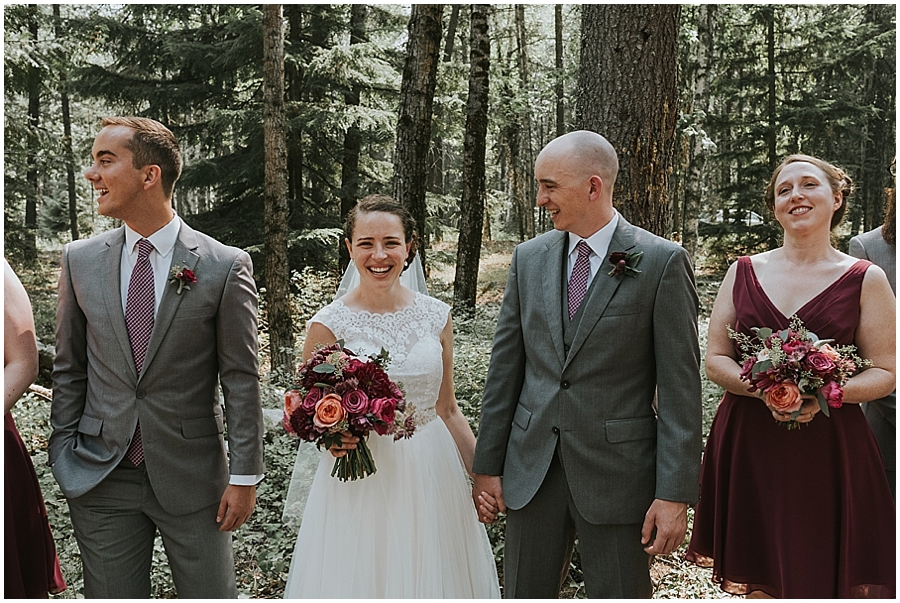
(339, 391)
(789, 364)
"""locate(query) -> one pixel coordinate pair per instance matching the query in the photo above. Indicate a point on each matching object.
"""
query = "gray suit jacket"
(637, 338)
(201, 338)
(881, 414)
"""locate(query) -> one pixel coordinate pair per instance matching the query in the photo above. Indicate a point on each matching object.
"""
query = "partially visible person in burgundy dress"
(30, 561)
(807, 512)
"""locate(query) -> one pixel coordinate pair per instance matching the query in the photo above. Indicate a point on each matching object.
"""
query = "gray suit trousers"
(115, 526)
(540, 539)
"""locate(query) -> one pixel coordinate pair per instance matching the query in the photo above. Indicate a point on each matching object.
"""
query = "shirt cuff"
(245, 480)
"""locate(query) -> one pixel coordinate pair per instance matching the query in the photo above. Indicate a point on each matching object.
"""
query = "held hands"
(487, 494)
(236, 507)
(347, 443)
(808, 410)
(665, 525)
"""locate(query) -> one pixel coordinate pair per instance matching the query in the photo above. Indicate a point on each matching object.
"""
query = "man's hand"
(236, 507)
(669, 522)
(487, 494)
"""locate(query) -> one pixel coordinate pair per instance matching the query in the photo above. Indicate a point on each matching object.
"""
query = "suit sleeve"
(69, 365)
(503, 385)
(236, 333)
(857, 249)
(677, 352)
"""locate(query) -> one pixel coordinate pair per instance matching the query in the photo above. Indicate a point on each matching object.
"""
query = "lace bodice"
(411, 335)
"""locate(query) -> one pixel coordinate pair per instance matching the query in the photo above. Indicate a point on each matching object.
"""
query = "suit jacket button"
(141, 393)
(564, 385)
(556, 430)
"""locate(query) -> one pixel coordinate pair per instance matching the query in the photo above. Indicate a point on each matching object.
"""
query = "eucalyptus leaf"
(324, 368)
(823, 404)
(763, 332)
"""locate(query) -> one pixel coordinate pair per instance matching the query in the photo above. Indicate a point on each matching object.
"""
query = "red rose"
(617, 256)
(187, 275)
(819, 363)
(355, 402)
(312, 398)
(833, 393)
(383, 409)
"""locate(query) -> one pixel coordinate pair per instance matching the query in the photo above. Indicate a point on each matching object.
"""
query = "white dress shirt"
(163, 241)
(599, 244)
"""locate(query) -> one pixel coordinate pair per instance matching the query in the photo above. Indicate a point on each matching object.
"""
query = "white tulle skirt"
(408, 531)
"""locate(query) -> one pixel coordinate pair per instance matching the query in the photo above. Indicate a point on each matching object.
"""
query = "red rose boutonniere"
(625, 263)
(183, 276)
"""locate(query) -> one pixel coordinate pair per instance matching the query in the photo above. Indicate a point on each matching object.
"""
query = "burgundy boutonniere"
(625, 263)
(183, 276)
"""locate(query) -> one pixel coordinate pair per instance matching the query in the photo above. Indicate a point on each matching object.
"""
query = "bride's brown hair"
(383, 203)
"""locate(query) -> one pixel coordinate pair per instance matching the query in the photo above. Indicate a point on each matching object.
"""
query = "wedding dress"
(411, 529)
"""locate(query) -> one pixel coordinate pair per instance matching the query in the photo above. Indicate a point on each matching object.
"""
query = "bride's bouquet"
(789, 364)
(338, 391)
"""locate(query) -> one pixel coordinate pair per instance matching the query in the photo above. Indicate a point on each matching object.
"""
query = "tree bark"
(698, 153)
(627, 92)
(34, 116)
(278, 308)
(353, 137)
(67, 137)
(524, 194)
(414, 121)
(471, 207)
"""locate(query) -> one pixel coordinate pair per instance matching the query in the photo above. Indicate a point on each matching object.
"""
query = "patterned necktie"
(579, 279)
(139, 319)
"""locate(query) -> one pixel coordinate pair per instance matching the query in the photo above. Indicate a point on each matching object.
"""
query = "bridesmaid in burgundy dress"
(801, 513)
(30, 562)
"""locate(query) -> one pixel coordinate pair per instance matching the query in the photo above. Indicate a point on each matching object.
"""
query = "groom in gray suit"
(152, 318)
(591, 415)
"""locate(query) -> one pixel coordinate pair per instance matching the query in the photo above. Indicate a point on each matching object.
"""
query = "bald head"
(586, 153)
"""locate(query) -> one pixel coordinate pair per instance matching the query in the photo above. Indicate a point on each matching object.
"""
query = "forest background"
(289, 114)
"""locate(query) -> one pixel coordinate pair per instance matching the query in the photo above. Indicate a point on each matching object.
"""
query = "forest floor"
(263, 547)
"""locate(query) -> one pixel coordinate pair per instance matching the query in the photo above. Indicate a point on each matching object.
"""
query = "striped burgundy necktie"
(139, 307)
(579, 279)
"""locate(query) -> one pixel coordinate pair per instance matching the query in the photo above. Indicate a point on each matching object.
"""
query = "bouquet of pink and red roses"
(338, 391)
(789, 364)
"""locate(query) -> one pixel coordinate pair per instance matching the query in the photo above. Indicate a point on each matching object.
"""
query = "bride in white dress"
(411, 529)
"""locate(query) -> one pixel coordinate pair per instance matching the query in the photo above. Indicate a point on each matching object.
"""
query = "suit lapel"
(183, 254)
(111, 281)
(552, 262)
(602, 290)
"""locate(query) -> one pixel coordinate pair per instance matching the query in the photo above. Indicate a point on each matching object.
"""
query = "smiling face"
(804, 197)
(113, 175)
(378, 247)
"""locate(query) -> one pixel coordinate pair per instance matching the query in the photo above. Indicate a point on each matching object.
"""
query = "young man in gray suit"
(879, 246)
(591, 414)
(152, 317)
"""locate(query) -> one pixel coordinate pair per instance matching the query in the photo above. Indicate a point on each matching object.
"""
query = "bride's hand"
(347, 443)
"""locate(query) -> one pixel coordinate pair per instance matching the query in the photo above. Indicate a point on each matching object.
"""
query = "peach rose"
(329, 411)
(292, 401)
(830, 352)
(784, 397)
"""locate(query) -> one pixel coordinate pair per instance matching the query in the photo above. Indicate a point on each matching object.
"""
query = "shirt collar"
(163, 239)
(600, 240)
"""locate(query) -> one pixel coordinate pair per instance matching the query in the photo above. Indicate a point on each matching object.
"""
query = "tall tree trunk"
(414, 120)
(471, 207)
(34, 116)
(436, 182)
(560, 76)
(627, 92)
(67, 137)
(353, 137)
(278, 307)
(524, 193)
(294, 79)
(771, 128)
(695, 178)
